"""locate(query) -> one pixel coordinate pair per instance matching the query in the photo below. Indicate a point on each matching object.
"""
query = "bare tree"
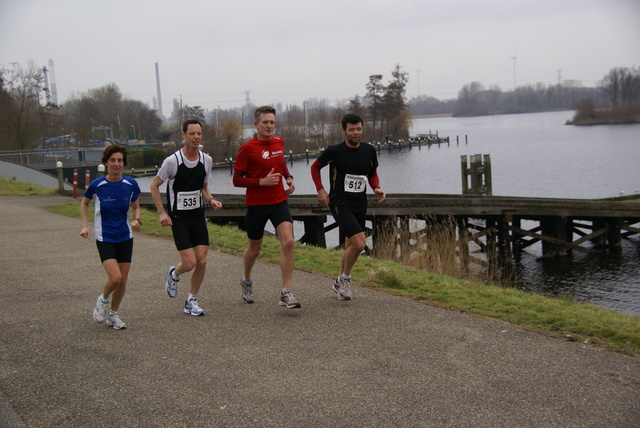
(292, 127)
(613, 82)
(469, 99)
(98, 109)
(318, 118)
(21, 112)
(630, 88)
(229, 132)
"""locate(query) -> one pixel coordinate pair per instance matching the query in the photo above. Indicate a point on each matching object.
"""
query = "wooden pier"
(495, 224)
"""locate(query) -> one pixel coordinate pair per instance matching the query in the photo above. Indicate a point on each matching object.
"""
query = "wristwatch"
(139, 221)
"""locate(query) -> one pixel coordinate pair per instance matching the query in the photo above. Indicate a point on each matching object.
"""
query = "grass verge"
(562, 318)
(12, 187)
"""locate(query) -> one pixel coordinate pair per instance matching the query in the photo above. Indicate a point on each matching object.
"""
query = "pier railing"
(500, 226)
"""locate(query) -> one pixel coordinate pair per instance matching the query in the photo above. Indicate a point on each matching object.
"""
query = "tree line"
(620, 86)
(28, 118)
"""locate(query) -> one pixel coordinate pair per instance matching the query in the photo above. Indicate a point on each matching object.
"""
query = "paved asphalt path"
(375, 361)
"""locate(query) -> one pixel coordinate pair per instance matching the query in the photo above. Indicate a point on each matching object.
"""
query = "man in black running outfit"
(352, 165)
(187, 173)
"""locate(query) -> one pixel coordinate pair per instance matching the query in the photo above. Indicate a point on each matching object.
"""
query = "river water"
(532, 155)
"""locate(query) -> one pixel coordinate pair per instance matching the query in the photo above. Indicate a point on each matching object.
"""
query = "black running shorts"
(189, 233)
(121, 251)
(351, 220)
(256, 218)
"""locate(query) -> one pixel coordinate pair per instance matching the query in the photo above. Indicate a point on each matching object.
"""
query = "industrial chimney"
(159, 94)
(54, 87)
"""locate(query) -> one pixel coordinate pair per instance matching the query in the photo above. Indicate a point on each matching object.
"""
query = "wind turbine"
(514, 58)
(418, 71)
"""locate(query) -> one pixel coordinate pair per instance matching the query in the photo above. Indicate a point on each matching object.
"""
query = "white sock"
(191, 297)
(345, 276)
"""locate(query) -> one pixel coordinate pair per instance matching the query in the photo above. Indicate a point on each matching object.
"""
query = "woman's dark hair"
(114, 148)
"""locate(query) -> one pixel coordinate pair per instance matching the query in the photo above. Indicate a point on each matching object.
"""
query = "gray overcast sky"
(211, 52)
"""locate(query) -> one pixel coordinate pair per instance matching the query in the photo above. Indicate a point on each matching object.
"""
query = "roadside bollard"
(75, 183)
(60, 177)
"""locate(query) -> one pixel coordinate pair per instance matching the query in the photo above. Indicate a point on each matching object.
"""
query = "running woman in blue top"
(112, 196)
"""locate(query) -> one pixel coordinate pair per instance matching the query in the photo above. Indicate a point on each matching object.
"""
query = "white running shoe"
(114, 320)
(342, 287)
(100, 311)
(191, 307)
(247, 292)
(171, 286)
(287, 300)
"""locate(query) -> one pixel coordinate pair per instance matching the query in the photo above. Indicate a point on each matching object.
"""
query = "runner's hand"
(165, 220)
(272, 179)
(323, 198)
(290, 187)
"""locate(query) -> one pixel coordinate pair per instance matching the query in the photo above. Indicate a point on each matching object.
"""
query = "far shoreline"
(431, 116)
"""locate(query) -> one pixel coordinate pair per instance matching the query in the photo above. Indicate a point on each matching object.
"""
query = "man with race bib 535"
(187, 173)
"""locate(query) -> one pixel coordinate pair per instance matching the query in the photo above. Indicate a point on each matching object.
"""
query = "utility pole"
(514, 72)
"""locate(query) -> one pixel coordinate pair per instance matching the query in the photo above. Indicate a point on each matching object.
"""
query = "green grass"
(562, 317)
(11, 187)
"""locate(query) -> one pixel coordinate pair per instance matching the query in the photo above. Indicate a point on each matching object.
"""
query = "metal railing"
(48, 158)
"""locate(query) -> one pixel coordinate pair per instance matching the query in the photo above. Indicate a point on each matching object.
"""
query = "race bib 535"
(188, 200)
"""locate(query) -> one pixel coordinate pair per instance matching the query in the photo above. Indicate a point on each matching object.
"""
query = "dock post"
(553, 227)
(505, 257)
(314, 232)
(516, 239)
(599, 241)
(614, 237)
(491, 250)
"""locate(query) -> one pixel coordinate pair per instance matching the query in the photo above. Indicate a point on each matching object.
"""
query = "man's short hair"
(351, 118)
(186, 124)
(263, 109)
(114, 148)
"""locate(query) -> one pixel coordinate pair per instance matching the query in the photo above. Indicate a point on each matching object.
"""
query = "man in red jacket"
(260, 167)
